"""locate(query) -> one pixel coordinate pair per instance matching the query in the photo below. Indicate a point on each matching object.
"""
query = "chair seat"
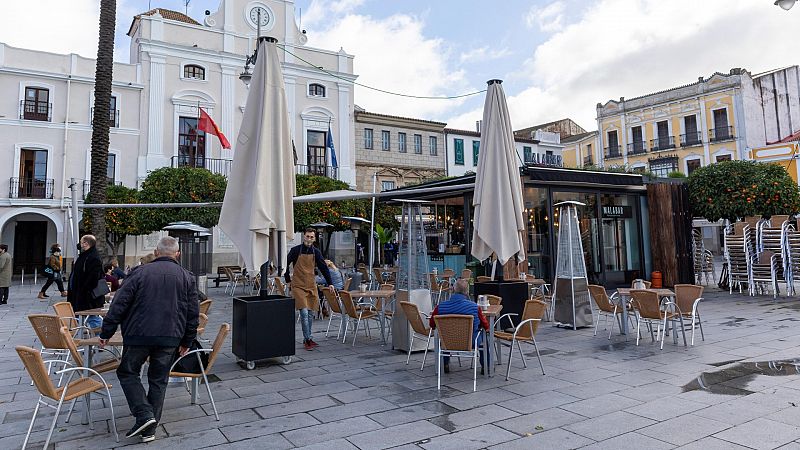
(186, 375)
(505, 336)
(368, 314)
(80, 387)
(106, 366)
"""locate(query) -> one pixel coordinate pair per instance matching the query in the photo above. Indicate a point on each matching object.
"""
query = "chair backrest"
(376, 272)
(69, 343)
(347, 304)
(364, 273)
(466, 274)
(280, 288)
(494, 299)
(201, 323)
(646, 283)
(483, 279)
(224, 329)
(601, 298)
(48, 330)
(455, 331)
(414, 318)
(32, 360)
(66, 313)
(686, 294)
(647, 303)
(387, 287)
(534, 309)
(448, 273)
(205, 305)
(433, 280)
(346, 286)
(333, 302)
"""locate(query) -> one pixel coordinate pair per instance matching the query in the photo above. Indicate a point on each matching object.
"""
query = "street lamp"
(247, 75)
(322, 228)
(785, 4)
(356, 223)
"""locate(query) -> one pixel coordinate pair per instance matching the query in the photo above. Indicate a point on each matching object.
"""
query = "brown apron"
(304, 285)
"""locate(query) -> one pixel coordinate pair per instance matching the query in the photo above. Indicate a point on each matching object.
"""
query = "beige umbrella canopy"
(258, 213)
(498, 226)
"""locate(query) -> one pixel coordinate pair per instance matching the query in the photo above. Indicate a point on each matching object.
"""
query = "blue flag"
(329, 145)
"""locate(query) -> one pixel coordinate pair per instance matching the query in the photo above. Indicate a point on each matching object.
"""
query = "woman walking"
(53, 271)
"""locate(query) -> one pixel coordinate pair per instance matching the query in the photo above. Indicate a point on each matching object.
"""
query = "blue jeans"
(94, 322)
(305, 322)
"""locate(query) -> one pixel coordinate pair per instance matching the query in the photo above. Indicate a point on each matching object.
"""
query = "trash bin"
(263, 327)
(202, 284)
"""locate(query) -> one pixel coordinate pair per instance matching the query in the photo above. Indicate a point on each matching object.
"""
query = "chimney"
(478, 124)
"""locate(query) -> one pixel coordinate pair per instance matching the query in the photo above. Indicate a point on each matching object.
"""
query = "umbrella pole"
(372, 228)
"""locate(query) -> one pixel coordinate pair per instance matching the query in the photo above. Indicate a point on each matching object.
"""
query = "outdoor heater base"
(263, 327)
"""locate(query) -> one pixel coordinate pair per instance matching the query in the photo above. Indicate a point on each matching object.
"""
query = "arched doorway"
(29, 232)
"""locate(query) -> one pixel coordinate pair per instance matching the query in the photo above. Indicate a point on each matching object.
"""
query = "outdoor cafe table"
(88, 345)
(626, 293)
(491, 313)
(372, 296)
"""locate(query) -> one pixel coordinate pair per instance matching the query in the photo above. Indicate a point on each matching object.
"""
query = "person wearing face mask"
(305, 257)
(5, 273)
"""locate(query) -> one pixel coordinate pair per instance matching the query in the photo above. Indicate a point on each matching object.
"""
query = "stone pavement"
(597, 393)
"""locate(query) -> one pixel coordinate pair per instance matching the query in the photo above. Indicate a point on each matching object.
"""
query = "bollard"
(22, 280)
(35, 277)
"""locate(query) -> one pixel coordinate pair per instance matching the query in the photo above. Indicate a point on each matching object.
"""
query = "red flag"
(206, 124)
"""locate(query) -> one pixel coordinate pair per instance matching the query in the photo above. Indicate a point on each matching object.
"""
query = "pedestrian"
(108, 269)
(460, 303)
(158, 309)
(304, 258)
(6, 268)
(53, 271)
(86, 272)
(117, 271)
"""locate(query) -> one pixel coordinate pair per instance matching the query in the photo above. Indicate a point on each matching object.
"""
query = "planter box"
(263, 327)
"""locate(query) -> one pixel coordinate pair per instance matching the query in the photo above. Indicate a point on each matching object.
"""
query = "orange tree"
(181, 185)
(736, 189)
(120, 222)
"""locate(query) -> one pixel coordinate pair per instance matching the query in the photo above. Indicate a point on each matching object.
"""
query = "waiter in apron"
(304, 258)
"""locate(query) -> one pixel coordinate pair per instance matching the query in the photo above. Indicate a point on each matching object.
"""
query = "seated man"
(460, 303)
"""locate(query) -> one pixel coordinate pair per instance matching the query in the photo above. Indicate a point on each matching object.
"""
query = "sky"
(557, 58)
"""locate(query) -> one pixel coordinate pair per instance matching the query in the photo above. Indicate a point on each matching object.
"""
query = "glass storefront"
(537, 238)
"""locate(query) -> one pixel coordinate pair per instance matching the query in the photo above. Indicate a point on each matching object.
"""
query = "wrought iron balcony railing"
(312, 169)
(214, 165)
(717, 134)
(691, 139)
(637, 148)
(662, 143)
(613, 152)
(35, 110)
(113, 117)
(87, 187)
(41, 188)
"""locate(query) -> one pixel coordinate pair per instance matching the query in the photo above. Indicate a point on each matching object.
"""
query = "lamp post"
(356, 223)
(785, 4)
(247, 74)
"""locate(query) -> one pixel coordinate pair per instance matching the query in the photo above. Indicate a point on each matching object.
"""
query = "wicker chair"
(483, 279)
(605, 307)
(205, 305)
(386, 305)
(65, 312)
(357, 315)
(335, 307)
(646, 283)
(54, 397)
(687, 298)
(455, 339)
(48, 330)
(347, 282)
(648, 309)
(418, 328)
(213, 352)
(201, 324)
(525, 331)
(466, 274)
(280, 288)
(494, 299)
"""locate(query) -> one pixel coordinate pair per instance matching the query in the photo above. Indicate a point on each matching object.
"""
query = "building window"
(387, 185)
(112, 163)
(36, 105)
(527, 154)
(476, 148)
(316, 154)
(458, 152)
(113, 114)
(385, 143)
(661, 167)
(691, 135)
(401, 142)
(418, 144)
(191, 143)
(612, 151)
(721, 130)
(32, 181)
(636, 147)
(368, 138)
(721, 158)
(194, 72)
(433, 143)
(692, 165)
(316, 90)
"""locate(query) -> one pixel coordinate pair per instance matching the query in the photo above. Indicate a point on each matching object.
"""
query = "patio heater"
(193, 244)
(571, 302)
(356, 224)
(413, 281)
(323, 231)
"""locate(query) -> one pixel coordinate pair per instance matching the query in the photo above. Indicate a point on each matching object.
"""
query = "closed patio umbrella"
(258, 213)
(498, 225)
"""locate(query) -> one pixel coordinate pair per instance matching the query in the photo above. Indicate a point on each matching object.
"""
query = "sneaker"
(313, 344)
(140, 426)
(307, 345)
(149, 434)
(41, 296)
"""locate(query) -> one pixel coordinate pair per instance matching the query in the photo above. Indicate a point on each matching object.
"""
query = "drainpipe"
(64, 156)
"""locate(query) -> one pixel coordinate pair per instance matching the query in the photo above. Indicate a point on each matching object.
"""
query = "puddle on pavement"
(734, 322)
(795, 306)
(725, 363)
(733, 380)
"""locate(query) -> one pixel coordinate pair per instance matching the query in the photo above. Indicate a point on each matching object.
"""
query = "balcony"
(33, 110)
(219, 166)
(691, 139)
(587, 161)
(662, 143)
(87, 186)
(41, 188)
(323, 171)
(637, 148)
(613, 152)
(718, 134)
(113, 117)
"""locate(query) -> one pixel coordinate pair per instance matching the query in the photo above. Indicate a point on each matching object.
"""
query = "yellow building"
(784, 153)
(579, 149)
(722, 117)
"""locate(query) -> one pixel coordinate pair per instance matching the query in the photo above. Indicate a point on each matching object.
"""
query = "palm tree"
(100, 120)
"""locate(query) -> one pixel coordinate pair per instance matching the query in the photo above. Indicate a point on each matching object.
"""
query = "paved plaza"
(596, 394)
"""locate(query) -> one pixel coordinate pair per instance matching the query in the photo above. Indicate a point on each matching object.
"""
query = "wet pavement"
(740, 388)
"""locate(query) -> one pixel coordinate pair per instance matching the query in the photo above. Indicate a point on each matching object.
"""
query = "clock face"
(254, 16)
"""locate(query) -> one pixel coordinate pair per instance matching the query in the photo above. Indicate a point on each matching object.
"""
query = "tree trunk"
(101, 119)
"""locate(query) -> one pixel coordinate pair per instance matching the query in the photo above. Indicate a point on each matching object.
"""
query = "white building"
(176, 65)
(462, 148)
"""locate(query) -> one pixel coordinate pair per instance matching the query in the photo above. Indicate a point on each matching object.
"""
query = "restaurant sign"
(617, 212)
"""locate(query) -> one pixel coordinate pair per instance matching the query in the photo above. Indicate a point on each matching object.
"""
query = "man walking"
(459, 303)
(86, 272)
(157, 307)
(305, 257)
(5, 273)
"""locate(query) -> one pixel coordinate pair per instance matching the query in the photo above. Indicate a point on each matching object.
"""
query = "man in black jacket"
(157, 307)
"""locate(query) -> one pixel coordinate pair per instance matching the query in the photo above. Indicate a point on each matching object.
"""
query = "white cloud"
(321, 10)
(635, 47)
(394, 54)
(482, 54)
(548, 19)
(54, 26)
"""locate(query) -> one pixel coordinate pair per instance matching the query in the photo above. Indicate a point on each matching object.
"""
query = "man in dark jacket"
(86, 272)
(157, 307)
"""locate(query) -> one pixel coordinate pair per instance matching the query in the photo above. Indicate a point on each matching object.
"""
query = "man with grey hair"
(460, 303)
(158, 310)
